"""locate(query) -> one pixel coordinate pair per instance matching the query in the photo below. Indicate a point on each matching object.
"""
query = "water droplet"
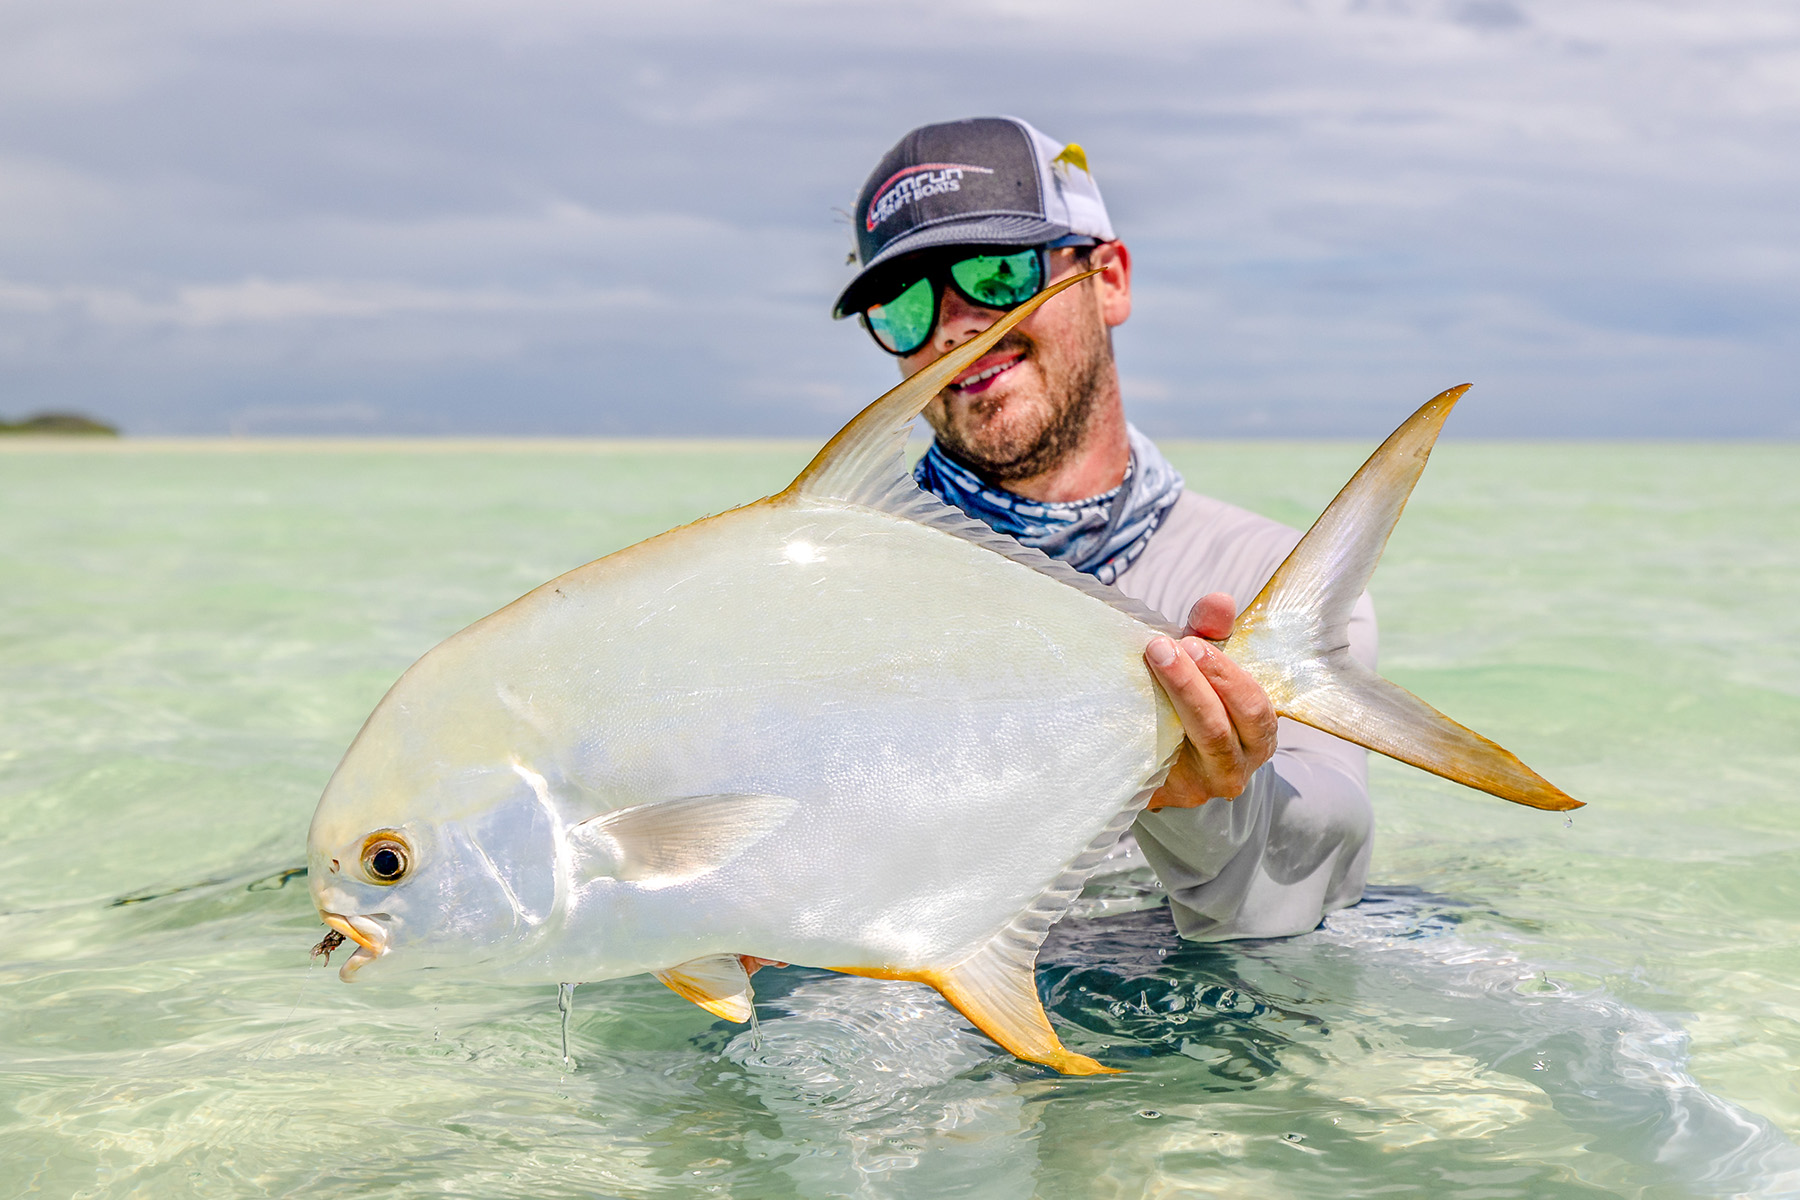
(1293, 1137)
(1539, 1065)
(1149, 1114)
(565, 1004)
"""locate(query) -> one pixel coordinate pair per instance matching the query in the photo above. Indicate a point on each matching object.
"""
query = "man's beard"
(1072, 406)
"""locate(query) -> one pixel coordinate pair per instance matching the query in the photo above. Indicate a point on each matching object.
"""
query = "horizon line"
(571, 443)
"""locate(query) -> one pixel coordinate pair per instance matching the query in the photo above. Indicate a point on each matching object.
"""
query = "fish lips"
(369, 934)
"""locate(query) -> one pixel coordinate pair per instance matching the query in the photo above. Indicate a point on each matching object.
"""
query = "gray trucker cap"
(985, 181)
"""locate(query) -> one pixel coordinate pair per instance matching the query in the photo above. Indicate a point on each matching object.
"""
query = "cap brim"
(985, 231)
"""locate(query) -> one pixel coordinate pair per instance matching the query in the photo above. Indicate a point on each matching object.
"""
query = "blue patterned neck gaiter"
(1101, 535)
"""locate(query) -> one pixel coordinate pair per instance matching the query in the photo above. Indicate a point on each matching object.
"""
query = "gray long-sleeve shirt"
(1295, 845)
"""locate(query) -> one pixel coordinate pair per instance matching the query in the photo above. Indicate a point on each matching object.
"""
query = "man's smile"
(981, 376)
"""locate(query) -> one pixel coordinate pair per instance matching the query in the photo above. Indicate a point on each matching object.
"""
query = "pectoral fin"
(718, 983)
(672, 841)
(999, 996)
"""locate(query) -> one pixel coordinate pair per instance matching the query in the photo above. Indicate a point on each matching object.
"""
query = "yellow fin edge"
(1003, 1014)
(709, 991)
(1331, 691)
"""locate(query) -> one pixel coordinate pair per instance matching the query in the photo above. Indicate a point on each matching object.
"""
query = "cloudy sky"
(599, 217)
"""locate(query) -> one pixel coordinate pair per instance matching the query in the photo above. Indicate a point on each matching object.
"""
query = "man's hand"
(1229, 721)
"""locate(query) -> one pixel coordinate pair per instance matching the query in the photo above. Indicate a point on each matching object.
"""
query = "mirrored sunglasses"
(1000, 280)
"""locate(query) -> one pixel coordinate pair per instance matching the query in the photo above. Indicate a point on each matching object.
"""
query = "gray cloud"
(543, 217)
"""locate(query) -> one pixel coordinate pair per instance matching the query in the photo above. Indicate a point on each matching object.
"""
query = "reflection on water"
(187, 645)
(899, 1079)
(880, 1089)
(1477, 1040)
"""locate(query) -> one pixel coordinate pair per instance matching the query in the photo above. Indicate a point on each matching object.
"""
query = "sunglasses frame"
(939, 276)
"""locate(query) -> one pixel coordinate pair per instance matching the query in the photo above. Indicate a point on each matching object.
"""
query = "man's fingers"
(1244, 701)
(1230, 724)
(1212, 616)
(752, 964)
(1210, 730)
(1185, 787)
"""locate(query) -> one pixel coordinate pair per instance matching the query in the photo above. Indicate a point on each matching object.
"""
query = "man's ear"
(1113, 284)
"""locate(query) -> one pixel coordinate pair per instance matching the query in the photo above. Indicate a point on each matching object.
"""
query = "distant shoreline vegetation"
(58, 423)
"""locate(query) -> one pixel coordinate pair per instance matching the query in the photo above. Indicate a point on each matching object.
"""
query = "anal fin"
(718, 983)
(996, 987)
(998, 995)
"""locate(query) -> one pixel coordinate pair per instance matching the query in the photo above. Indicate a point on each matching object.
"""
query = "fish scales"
(906, 687)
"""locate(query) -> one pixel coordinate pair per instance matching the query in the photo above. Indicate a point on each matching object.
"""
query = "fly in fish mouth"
(331, 941)
(365, 931)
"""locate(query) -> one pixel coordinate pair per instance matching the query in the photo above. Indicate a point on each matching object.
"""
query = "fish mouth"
(368, 934)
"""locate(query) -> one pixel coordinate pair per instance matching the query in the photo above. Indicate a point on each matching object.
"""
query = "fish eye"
(386, 857)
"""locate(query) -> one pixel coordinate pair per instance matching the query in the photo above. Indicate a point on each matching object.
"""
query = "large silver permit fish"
(844, 726)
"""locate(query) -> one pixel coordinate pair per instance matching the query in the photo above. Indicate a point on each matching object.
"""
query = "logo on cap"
(915, 183)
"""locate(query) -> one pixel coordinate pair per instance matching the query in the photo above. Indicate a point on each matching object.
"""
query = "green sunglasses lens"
(1000, 280)
(903, 323)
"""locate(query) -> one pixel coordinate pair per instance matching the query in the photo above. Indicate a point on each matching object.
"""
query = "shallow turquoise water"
(1525, 1007)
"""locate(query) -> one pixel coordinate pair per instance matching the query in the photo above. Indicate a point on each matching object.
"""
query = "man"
(1262, 827)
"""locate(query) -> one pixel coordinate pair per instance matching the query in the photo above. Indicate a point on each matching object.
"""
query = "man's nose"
(958, 320)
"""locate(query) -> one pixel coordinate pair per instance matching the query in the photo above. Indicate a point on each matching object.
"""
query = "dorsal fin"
(868, 456)
(907, 501)
(866, 464)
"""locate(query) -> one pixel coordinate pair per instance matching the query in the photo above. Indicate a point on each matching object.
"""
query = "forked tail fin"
(1293, 637)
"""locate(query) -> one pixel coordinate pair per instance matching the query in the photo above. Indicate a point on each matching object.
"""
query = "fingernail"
(1197, 649)
(1162, 651)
